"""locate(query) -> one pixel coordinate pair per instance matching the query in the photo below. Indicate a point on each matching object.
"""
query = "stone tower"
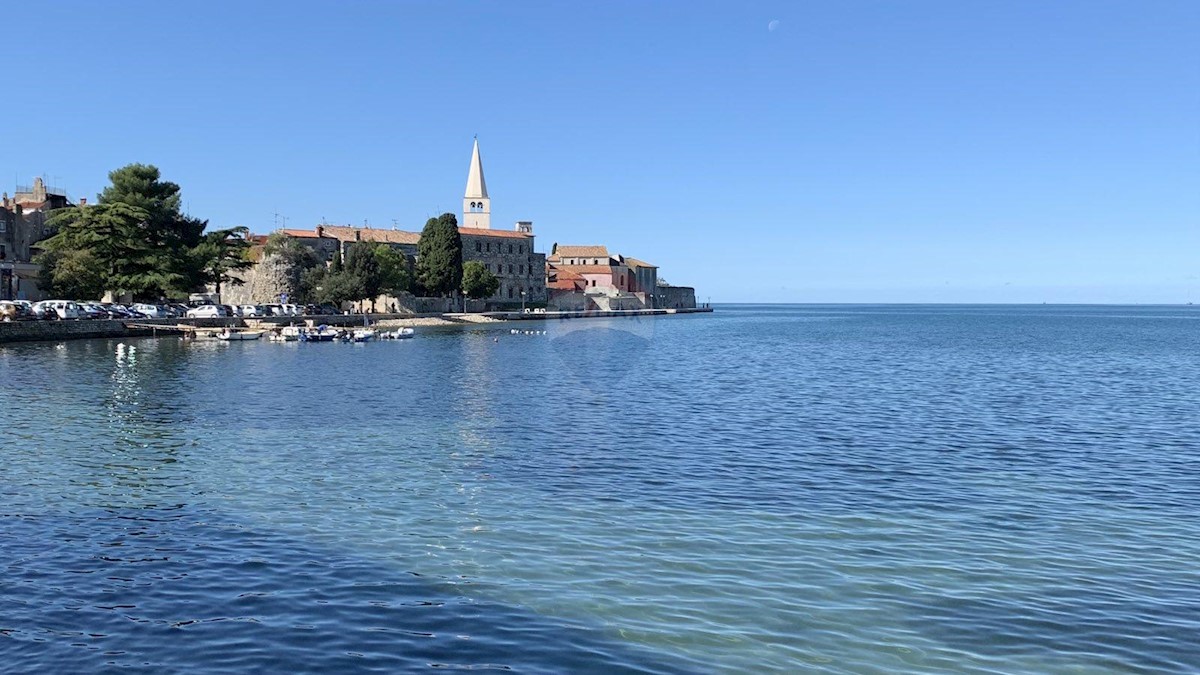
(477, 208)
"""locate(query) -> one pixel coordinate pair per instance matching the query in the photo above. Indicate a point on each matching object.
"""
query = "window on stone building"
(520, 248)
(489, 247)
(510, 248)
(478, 246)
(510, 292)
(520, 269)
(3, 225)
(510, 268)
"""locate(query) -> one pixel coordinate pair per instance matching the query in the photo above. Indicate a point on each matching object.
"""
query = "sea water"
(831, 489)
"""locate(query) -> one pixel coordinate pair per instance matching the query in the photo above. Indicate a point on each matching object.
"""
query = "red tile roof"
(565, 273)
(634, 262)
(586, 269)
(580, 251)
(480, 232)
(302, 234)
(346, 233)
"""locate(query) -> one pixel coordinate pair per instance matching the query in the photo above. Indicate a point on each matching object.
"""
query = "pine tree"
(439, 259)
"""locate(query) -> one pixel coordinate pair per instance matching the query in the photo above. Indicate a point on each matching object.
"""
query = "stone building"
(589, 277)
(23, 223)
(508, 254)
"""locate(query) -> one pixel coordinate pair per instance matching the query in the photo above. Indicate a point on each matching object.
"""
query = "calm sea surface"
(836, 489)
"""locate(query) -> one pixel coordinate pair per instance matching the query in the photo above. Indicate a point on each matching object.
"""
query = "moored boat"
(398, 334)
(238, 335)
(322, 333)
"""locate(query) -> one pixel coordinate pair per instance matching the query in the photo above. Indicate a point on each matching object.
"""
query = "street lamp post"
(522, 302)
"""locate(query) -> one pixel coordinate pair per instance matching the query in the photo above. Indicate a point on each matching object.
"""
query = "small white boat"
(362, 335)
(398, 334)
(286, 334)
(323, 333)
(237, 335)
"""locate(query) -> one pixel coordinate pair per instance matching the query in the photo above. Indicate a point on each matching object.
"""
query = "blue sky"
(925, 151)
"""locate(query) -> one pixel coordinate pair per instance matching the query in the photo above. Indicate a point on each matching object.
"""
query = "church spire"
(476, 187)
(477, 208)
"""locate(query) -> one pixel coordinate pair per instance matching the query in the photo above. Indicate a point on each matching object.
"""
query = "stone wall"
(676, 297)
(262, 283)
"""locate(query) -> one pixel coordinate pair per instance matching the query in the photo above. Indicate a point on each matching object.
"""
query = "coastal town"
(337, 268)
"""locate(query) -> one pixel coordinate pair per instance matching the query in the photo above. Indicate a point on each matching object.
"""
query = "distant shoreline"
(88, 329)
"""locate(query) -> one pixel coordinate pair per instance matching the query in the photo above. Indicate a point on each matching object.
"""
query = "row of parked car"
(51, 310)
(215, 311)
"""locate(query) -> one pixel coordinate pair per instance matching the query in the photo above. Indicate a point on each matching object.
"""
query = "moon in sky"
(774, 23)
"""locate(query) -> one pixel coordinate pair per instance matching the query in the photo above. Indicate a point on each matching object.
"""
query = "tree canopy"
(113, 236)
(477, 281)
(394, 273)
(439, 260)
(221, 254)
(139, 241)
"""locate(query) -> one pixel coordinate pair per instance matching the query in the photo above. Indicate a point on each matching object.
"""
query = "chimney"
(357, 234)
(83, 201)
(320, 231)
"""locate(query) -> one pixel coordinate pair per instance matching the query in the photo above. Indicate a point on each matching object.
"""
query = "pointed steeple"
(476, 186)
(477, 208)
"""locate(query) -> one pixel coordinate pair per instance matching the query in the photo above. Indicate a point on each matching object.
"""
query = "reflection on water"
(846, 489)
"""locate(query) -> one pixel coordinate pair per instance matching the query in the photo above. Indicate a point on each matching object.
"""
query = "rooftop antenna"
(395, 225)
(280, 220)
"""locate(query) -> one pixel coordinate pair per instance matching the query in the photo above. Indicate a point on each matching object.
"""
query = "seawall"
(42, 331)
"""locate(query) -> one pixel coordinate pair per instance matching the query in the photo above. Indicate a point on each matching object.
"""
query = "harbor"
(41, 331)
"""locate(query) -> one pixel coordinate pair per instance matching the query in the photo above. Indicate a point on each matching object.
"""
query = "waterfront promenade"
(43, 331)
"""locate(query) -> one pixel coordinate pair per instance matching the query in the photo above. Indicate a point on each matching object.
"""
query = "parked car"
(292, 310)
(56, 309)
(150, 311)
(91, 310)
(251, 310)
(328, 310)
(207, 312)
(232, 310)
(14, 311)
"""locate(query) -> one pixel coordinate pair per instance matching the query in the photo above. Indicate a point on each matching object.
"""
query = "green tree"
(394, 272)
(477, 281)
(170, 234)
(114, 237)
(362, 264)
(439, 259)
(221, 254)
(70, 273)
(300, 266)
(338, 284)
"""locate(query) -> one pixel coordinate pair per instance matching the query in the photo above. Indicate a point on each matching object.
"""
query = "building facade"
(507, 254)
(23, 223)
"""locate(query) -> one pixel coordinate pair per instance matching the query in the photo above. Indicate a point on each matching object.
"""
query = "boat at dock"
(286, 334)
(239, 335)
(322, 333)
(398, 334)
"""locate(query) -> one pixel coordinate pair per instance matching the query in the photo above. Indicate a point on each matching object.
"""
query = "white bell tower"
(477, 208)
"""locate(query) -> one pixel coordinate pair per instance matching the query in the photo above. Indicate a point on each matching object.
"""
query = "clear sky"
(856, 151)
